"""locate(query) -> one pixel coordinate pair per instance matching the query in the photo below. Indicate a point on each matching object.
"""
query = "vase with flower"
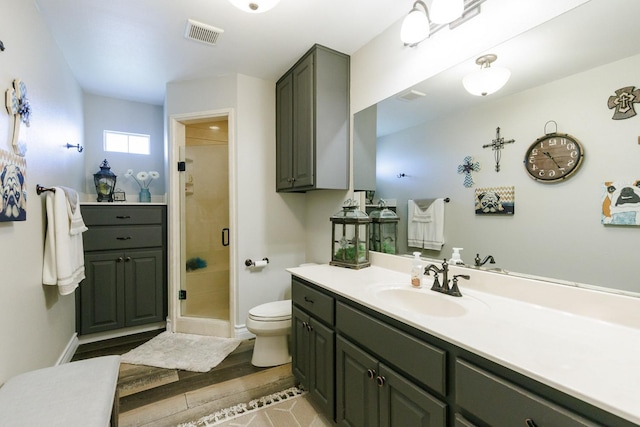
(143, 179)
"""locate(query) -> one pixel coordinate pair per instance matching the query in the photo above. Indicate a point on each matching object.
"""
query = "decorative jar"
(383, 234)
(145, 195)
(350, 237)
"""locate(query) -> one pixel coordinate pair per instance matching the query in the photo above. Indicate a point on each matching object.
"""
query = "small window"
(126, 142)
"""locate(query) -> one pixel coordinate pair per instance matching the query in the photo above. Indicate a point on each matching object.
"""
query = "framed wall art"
(495, 201)
(13, 190)
(621, 203)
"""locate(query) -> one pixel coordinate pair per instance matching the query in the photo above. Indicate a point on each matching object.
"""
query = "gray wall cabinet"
(312, 123)
(125, 268)
(388, 373)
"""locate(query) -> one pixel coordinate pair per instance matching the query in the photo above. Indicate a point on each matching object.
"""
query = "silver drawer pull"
(529, 423)
(381, 381)
(124, 238)
(123, 216)
(309, 300)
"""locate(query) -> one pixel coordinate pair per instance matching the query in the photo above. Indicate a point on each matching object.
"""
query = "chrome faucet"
(484, 261)
(444, 287)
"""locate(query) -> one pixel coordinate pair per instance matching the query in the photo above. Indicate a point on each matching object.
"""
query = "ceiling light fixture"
(487, 79)
(254, 6)
(416, 26)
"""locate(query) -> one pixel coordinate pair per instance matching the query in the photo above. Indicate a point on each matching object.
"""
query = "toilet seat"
(275, 311)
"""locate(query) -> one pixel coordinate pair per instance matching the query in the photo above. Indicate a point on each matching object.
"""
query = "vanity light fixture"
(415, 26)
(254, 6)
(445, 11)
(487, 79)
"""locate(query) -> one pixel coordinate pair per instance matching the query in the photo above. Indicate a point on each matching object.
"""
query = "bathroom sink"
(422, 301)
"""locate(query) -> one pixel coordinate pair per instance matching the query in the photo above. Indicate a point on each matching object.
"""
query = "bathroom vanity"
(509, 352)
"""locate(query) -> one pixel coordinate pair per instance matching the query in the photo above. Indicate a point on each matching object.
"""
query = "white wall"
(556, 230)
(104, 113)
(269, 224)
(37, 322)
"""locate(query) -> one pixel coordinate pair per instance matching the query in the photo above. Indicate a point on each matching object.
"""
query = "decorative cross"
(467, 167)
(623, 102)
(497, 145)
(18, 106)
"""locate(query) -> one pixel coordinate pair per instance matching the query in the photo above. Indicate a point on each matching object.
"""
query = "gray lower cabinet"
(500, 403)
(313, 345)
(125, 268)
(371, 394)
(388, 373)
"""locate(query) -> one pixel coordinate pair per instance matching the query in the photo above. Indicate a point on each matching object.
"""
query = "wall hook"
(401, 175)
(78, 146)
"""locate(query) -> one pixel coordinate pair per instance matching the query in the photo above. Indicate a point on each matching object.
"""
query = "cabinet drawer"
(500, 403)
(122, 215)
(314, 302)
(135, 236)
(417, 359)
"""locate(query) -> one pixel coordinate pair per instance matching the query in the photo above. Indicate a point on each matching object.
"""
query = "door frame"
(179, 323)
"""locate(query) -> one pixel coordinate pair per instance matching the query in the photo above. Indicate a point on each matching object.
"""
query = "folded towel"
(426, 234)
(63, 252)
(421, 211)
(76, 224)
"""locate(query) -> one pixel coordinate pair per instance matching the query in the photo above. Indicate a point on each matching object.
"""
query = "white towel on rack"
(63, 250)
(425, 227)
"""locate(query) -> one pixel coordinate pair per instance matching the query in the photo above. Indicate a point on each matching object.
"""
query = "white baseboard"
(241, 332)
(69, 350)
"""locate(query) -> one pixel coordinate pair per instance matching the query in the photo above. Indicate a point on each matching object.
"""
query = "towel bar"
(40, 189)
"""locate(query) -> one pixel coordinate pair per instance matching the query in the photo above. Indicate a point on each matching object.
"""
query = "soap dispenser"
(416, 271)
(455, 257)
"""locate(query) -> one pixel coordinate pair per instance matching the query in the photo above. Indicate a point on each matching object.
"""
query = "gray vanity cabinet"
(125, 268)
(370, 392)
(312, 123)
(313, 344)
(500, 403)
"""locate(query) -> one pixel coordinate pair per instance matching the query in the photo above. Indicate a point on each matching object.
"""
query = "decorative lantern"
(383, 236)
(105, 182)
(350, 237)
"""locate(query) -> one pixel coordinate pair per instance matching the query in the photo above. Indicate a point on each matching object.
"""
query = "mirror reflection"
(563, 72)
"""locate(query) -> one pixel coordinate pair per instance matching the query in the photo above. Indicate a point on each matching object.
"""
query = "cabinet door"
(300, 345)
(322, 366)
(356, 389)
(303, 123)
(144, 285)
(402, 403)
(284, 133)
(102, 292)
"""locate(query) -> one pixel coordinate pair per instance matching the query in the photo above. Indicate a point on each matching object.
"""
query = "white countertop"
(582, 342)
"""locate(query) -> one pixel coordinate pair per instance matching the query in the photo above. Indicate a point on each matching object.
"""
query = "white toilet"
(271, 324)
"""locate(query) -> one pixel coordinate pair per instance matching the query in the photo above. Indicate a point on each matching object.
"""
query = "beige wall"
(37, 323)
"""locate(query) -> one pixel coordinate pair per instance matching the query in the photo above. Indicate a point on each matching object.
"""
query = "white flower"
(154, 174)
(128, 173)
(142, 176)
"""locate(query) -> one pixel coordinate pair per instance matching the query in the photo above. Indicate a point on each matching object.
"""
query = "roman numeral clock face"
(553, 158)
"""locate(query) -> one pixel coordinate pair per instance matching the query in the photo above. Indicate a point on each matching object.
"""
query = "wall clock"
(553, 157)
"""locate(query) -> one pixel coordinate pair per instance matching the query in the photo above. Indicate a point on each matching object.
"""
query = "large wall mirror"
(564, 71)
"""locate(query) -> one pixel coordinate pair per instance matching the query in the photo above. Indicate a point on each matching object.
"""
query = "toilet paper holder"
(249, 263)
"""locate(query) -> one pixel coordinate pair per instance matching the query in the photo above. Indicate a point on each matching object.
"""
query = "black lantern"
(350, 237)
(105, 182)
(383, 236)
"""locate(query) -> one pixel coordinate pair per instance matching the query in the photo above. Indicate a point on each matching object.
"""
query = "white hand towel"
(63, 252)
(426, 234)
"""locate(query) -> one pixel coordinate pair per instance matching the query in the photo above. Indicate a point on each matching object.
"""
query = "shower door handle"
(225, 237)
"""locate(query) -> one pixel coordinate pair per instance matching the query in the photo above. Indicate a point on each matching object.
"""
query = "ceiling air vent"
(411, 95)
(202, 32)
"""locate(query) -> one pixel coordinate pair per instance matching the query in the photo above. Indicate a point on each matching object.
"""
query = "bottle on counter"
(416, 270)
